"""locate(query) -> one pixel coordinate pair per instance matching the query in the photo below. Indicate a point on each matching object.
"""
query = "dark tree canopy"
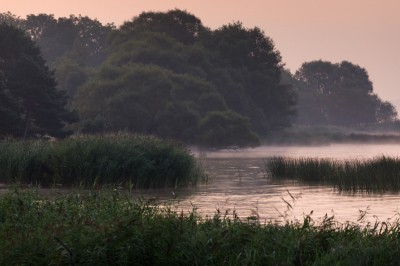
(248, 75)
(11, 19)
(80, 38)
(167, 74)
(246, 47)
(222, 129)
(178, 24)
(32, 105)
(339, 94)
(72, 45)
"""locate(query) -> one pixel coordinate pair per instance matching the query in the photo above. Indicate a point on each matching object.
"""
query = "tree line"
(165, 73)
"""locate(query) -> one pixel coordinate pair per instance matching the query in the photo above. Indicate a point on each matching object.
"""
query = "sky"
(364, 32)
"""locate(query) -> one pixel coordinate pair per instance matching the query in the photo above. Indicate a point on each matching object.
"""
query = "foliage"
(30, 102)
(80, 38)
(147, 99)
(167, 74)
(248, 75)
(224, 129)
(144, 87)
(70, 76)
(11, 19)
(191, 72)
(338, 94)
(110, 228)
(177, 24)
(380, 174)
(72, 45)
(141, 161)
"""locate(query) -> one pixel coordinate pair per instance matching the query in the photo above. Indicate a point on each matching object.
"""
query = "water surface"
(238, 182)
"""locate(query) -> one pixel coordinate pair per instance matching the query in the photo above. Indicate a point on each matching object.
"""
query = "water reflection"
(239, 183)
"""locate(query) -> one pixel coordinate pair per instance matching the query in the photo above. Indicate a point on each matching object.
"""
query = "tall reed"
(380, 174)
(143, 161)
(106, 228)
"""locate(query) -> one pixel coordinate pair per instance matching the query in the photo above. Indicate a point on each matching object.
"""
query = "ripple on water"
(239, 183)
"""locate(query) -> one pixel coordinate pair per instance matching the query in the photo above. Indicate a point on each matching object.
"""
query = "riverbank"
(105, 227)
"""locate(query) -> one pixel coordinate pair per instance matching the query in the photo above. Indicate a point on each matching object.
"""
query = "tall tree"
(178, 24)
(11, 19)
(82, 38)
(248, 75)
(166, 73)
(28, 88)
(342, 94)
(72, 45)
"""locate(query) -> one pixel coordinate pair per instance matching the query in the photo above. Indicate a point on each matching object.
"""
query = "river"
(238, 183)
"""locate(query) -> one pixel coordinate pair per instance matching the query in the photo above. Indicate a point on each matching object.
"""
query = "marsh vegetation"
(88, 161)
(165, 73)
(106, 227)
(114, 226)
(380, 174)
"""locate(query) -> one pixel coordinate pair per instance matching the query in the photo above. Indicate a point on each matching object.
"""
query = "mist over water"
(336, 151)
(238, 182)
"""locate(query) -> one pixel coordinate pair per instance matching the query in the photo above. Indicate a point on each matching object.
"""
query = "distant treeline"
(167, 74)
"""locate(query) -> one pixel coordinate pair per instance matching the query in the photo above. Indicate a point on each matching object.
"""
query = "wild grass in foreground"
(381, 174)
(106, 228)
(134, 160)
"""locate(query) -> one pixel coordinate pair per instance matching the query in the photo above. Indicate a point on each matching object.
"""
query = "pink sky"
(365, 32)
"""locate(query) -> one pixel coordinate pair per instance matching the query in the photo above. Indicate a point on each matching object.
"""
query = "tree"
(70, 75)
(10, 121)
(223, 129)
(248, 75)
(71, 45)
(341, 94)
(386, 112)
(166, 72)
(11, 19)
(28, 89)
(146, 99)
(83, 39)
(181, 25)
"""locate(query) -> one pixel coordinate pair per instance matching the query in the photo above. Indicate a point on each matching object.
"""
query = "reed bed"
(380, 174)
(106, 227)
(135, 160)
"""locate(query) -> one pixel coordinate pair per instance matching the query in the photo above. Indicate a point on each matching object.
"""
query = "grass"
(107, 227)
(381, 174)
(134, 160)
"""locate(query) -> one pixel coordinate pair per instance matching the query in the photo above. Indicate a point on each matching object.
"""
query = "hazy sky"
(364, 32)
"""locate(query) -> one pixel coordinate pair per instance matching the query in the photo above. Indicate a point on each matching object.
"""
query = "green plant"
(141, 161)
(108, 227)
(373, 175)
